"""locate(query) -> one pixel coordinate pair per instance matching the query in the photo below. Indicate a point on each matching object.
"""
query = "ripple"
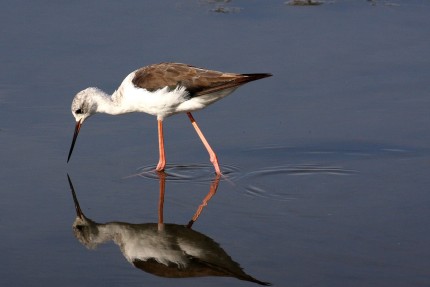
(256, 191)
(305, 169)
(338, 149)
(270, 187)
(190, 172)
(263, 183)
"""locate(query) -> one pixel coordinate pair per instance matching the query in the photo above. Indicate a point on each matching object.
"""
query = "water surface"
(326, 163)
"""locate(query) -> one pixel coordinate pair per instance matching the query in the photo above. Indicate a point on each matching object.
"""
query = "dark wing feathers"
(197, 81)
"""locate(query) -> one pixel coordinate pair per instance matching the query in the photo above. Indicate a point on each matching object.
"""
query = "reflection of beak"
(75, 136)
(79, 212)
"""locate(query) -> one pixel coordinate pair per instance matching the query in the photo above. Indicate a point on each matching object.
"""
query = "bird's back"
(196, 81)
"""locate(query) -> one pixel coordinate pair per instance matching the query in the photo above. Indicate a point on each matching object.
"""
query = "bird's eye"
(78, 111)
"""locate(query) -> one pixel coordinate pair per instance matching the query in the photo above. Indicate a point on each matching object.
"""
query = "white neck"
(108, 104)
(106, 232)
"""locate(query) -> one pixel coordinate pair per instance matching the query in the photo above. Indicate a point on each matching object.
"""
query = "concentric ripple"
(190, 172)
(252, 183)
(266, 183)
(305, 169)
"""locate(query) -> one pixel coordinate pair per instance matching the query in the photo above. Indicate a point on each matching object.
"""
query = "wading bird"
(161, 90)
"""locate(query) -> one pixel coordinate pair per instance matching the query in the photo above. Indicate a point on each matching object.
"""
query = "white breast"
(161, 103)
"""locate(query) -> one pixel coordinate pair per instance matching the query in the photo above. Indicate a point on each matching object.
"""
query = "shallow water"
(325, 163)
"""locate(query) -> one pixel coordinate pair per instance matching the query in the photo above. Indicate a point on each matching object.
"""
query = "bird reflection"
(162, 249)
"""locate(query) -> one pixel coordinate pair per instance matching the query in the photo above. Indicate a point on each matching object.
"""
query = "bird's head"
(84, 105)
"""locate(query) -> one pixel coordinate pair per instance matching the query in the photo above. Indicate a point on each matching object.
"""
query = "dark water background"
(327, 161)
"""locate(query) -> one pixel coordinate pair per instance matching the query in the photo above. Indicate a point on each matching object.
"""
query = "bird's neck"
(108, 104)
(104, 233)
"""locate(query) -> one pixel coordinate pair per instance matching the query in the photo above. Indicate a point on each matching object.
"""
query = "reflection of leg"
(212, 155)
(212, 191)
(162, 183)
(162, 161)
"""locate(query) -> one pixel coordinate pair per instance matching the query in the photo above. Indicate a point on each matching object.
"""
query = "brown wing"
(197, 81)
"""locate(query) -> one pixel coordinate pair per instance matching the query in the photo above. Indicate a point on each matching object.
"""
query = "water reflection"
(162, 249)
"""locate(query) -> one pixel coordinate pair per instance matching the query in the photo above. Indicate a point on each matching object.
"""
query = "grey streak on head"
(84, 104)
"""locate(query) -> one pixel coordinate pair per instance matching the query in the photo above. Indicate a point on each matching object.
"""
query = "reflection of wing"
(195, 268)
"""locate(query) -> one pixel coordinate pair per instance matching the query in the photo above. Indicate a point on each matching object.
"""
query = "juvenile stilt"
(161, 90)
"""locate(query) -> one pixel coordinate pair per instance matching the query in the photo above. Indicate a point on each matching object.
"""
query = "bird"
(161, 90)
(163, 249)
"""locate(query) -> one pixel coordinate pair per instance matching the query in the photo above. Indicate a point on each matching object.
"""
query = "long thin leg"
(212, 191)
(162, 161)
(212, 155)
(162, 184)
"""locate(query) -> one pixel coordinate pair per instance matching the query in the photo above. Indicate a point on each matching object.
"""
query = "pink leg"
(162, 162)
(212, 191)
(212, 155)
(162, 184)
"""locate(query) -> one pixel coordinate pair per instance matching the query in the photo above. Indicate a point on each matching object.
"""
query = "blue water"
(326, 163)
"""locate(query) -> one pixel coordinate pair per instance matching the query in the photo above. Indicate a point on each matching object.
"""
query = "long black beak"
(75, 136)
(79, 212)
